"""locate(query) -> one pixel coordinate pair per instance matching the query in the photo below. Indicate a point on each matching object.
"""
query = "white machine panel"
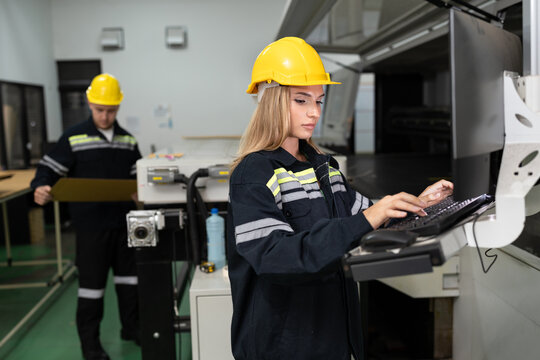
(211, 313)
(186, 157)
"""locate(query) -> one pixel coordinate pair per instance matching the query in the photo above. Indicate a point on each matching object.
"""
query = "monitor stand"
(520, 167)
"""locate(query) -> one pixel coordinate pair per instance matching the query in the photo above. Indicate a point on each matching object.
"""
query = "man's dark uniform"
(84, 152)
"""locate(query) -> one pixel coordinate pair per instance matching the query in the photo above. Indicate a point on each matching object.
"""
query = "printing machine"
(170, 230)
(155, 173)
(166, 233)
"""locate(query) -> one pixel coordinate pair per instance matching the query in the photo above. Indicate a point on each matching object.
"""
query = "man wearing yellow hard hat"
(292, 216)
(97, 148)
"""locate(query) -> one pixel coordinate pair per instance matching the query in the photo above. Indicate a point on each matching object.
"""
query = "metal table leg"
(6, 233)
(58, 235)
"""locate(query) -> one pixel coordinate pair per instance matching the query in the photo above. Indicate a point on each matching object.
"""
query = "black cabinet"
(22, 125)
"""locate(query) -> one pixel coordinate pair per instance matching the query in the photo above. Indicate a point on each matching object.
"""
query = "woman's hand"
(394, 206)
(437, 192)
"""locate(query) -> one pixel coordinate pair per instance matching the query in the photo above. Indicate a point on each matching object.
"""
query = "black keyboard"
(440, 216)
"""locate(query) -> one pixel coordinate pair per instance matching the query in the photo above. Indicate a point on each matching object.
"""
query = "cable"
(486, 253)
(203, 214)
(440, 3)
(472, 10)
(192, 215)
(478, 10)
(175, 282)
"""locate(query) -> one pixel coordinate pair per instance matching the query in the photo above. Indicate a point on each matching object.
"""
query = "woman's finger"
(393, 213)
(409, 207)
(411, 199)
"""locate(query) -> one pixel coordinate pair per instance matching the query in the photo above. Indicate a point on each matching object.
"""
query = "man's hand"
(42, 194)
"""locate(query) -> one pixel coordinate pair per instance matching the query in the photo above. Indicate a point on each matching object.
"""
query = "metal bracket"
(519, 171)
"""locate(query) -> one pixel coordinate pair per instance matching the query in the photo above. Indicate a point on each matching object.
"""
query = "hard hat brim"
(95, 100)
(252, 89)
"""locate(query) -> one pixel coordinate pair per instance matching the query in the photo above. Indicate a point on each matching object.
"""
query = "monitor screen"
(479, 54)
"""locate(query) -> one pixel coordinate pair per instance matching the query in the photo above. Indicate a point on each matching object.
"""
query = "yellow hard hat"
(104, 90)
(289, 61)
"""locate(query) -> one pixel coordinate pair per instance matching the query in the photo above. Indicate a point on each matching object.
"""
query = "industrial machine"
(493, 109)
(175, 185)
(178, 186)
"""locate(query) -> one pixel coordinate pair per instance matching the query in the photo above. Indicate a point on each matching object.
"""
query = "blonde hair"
(269, 126)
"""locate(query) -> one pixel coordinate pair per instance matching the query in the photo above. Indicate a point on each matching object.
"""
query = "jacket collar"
(96, 130)
(286, 159)
(280, 155)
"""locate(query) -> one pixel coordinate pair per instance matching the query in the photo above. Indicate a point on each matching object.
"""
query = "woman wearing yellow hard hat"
(292, 216)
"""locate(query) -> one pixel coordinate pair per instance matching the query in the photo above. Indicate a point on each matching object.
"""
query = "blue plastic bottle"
(215, 231)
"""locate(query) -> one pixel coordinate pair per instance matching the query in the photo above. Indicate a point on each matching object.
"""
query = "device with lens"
(143, 226)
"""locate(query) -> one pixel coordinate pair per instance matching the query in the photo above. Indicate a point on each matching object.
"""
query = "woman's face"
(305, 110)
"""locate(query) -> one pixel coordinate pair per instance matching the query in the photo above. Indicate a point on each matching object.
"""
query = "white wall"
(203, 85)
(26, 52)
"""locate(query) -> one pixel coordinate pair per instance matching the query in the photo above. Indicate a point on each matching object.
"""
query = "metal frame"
(531, 36)
(58, 277)
(158, 297)
(56, 282)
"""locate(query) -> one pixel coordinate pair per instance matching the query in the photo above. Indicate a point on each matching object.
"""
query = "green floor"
(51, 332)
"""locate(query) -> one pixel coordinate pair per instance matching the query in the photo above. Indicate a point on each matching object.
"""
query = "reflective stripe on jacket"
(84, 152)
(289, 224)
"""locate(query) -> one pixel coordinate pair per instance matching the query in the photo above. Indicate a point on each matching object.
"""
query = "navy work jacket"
(289, 224)
(84, 152)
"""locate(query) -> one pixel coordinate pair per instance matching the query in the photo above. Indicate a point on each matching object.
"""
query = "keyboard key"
(440, 216)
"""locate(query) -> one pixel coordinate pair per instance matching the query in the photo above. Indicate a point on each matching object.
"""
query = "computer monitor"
(479, 54)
